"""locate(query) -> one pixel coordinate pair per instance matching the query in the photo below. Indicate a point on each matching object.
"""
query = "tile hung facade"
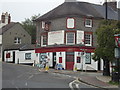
(65, 35)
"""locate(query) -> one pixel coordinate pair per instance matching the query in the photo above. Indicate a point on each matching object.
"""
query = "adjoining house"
(65, 35)
(14, 38)
(20, 54)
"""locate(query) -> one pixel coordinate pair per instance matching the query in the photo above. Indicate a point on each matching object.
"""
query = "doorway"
(69, 60)
(13, 56)
(54, 59)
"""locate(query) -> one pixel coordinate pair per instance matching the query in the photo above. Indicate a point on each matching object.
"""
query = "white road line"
(70, 85)
(77, 86)
(26, 84)
(30, 77)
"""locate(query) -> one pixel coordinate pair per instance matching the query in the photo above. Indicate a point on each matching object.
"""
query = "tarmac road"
(22, 76)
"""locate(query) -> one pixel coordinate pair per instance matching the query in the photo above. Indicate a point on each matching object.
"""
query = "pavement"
(95, 79)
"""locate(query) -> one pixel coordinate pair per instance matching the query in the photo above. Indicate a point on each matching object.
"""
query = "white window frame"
(90, 40)
(17, 40)
(73, 39)
(90, 20)
(70, 23)
(42, 41)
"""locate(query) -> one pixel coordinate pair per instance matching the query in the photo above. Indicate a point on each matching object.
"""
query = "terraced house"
(66, 34)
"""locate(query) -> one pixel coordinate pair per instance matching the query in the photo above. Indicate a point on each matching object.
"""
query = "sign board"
(119, 10)
(117, 52)
(117, 40)
(80, 37)
(56, 37)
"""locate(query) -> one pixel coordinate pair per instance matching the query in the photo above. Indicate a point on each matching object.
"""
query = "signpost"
(117, 53)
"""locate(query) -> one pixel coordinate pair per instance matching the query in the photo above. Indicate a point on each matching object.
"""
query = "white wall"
(82, 65)
(11, 55)
(50, 58)
(63, 58)
(79, 65)
(21, 56)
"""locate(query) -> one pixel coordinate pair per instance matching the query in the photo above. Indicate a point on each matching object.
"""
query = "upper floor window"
(43, 40)
(43, 24)
(70, 23)
(70, 38)
(17, 40)
(88, 39)
(46, 25)
(88, 22)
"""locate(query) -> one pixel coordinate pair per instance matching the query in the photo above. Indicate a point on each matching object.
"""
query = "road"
(22, 76)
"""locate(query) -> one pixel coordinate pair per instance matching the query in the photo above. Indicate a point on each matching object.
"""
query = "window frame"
(89, 60)
(28, 58)
(91, 22)
(17, 40)
(68, 24)
(67, 38)
(91, 38)
(42, 40)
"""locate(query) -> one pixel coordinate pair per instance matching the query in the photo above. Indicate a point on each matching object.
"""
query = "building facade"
(66, 35)
(12, 34)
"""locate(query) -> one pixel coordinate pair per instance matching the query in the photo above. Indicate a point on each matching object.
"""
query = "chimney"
(9, 19)
(70, 0)
(112, 4)
(3, 17)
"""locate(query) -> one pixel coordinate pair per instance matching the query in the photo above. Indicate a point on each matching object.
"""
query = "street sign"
(117, 40)
(117, 52)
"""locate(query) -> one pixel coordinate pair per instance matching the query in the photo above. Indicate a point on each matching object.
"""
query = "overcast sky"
(21, 9)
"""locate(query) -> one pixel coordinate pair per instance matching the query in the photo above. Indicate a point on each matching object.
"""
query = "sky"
(21, 9)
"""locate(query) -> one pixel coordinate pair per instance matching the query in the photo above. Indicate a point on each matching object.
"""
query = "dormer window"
(88, 23)
(70, 23)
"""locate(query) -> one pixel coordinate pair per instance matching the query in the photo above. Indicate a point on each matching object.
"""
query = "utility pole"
(106, 10)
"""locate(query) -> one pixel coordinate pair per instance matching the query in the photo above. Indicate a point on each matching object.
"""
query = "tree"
(30, 27)
(105, 44)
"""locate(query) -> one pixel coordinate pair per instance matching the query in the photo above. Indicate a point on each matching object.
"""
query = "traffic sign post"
(117, 53)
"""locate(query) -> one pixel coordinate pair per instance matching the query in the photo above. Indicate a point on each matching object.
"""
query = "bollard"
(46, 67)
(75, 68)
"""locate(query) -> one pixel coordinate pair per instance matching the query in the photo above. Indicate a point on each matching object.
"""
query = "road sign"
(117, 40)
(117, 52)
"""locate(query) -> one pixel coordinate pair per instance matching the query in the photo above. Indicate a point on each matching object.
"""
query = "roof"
(21, 47)
(7, 27)
(78, 9)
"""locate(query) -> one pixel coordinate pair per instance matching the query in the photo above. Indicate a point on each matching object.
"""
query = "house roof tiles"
(79, 9)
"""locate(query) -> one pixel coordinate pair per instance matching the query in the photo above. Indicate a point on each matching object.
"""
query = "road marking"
(77, 86)
(70, 85)
(26, 84)
(30, 77)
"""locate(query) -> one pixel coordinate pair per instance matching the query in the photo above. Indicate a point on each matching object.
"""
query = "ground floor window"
(27, 56)
(88, 58)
